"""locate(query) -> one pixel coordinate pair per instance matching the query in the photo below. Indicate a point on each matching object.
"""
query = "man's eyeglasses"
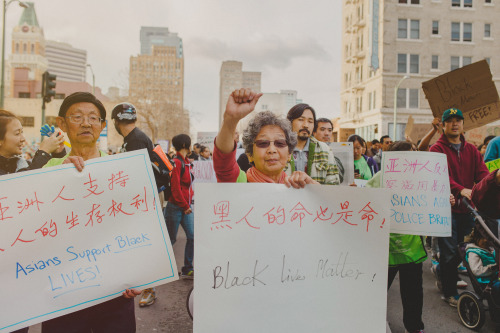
(266, 143)
(78, 119)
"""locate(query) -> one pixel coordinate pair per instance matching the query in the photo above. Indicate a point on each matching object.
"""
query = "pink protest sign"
(70, 240)
(268, 256)
(420, 185)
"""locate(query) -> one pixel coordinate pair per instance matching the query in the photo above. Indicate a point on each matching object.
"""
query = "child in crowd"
(481, 258)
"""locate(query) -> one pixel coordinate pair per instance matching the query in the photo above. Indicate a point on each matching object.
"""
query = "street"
(169, 313)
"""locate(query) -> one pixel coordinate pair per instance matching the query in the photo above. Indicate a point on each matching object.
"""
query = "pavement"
(169, 312)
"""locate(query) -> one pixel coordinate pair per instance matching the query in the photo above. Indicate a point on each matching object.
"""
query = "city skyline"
(295, 47)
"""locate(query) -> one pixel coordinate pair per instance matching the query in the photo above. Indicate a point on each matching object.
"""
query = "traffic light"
(48, 86)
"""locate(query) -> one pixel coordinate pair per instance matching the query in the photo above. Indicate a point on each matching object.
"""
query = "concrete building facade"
(160, 36)
(386, 40)
(65, 61)
(233, 77)
(156, 87)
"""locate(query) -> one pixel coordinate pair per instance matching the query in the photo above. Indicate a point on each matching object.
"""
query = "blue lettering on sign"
(36, 265)
(401, 217)
(409, 200)
(436, 219)
(126, 243)
(89, 254)
(75, 280)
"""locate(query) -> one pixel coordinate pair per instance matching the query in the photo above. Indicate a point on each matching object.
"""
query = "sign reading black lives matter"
(470, 89)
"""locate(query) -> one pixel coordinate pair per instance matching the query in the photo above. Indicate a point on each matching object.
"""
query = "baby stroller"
(470, 307)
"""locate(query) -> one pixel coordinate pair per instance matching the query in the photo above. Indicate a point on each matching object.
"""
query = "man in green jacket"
(310, 155)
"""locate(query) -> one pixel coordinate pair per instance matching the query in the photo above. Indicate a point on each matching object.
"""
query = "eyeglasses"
(266, 143)
(78, 119)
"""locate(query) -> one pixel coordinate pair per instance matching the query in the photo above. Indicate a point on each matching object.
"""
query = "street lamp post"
(2, 83)
(396, 104)
(93, 79)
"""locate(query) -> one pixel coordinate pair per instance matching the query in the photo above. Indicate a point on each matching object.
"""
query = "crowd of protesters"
(294, 151)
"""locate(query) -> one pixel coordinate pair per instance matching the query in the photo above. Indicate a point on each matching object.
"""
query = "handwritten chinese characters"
(421, 189)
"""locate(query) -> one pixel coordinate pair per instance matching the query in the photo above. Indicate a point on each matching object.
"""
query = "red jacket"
(182, 189)
(486, 196)
(465, 169)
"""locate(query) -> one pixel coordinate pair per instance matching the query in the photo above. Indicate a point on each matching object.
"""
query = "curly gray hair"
(267, 118)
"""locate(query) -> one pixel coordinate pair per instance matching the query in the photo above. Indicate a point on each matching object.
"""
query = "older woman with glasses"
(268, 141)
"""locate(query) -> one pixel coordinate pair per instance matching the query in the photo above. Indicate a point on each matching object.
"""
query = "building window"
(461, 3)
(24, 95)
(410, 2)
(402, 28)
(457, 62)
(435, 62)
(435, 27)
(414, 27)
(407, 98)
(32, 49)
(24, 48)
(455, 31)
(487, 1)
(27, 121)
(457, 27)
(17, 48)
(487, 30)
(408, 63)
(467, 36)
(371, 100)
(60, 96)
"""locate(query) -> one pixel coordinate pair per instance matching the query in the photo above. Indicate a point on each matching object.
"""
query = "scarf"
(255, 176)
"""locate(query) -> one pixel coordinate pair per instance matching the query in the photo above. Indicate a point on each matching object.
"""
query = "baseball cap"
(124, 111)
(452, 113)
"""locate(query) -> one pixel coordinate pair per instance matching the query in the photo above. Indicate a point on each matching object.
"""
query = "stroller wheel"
(471, 310)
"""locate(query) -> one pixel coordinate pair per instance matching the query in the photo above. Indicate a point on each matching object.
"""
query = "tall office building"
(384, 41)
(65, 61)
(156, 84)
(160, 36)
(28, 48)
(233, 77)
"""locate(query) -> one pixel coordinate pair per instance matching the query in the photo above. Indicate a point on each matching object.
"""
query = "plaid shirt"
(321, 164)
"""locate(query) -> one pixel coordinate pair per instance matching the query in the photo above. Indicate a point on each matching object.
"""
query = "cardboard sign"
(420, 203)
(493, 165)
(344, 153)
(417, 131)
(71, 240)
(277, 259)
(476, 136)
(470, 89)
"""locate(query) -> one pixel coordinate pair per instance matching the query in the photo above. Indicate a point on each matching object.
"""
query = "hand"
(299, 179)
(437, 125)
(497, 177)
(188, 211)
(131, 293)
(452, 200)
(77, 161)
(466, 193)
(240, 103)
(357, 175)
(52, 143)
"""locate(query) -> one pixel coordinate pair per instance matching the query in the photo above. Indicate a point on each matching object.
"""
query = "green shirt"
(58, 161)
(403, 249)
(364, 169)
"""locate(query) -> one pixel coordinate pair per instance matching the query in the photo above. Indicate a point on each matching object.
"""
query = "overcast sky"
(295, 44)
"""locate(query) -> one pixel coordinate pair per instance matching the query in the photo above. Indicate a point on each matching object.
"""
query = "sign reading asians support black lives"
(470, 89)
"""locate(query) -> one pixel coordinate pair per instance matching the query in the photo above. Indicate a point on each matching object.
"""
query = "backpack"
(162, 168)
(167, 191)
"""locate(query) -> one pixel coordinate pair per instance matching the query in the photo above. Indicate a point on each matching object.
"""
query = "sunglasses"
(266, 143)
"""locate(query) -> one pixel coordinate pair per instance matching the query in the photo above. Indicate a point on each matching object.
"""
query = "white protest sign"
(70, 240)
(420, 203)
(273, 259)
(203, 172)
(344, 154)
